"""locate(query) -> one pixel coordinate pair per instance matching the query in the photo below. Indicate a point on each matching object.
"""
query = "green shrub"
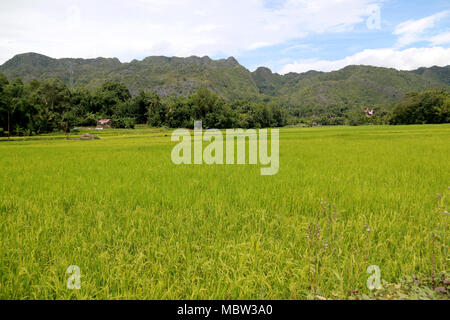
(124, 123)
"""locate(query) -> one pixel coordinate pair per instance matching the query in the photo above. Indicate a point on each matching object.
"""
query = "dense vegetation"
(424, 107)
(351, 86)
(429, 106)
(49, 105)
(45, 106)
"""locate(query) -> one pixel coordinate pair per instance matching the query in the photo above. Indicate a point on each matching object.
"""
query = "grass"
(140, 227)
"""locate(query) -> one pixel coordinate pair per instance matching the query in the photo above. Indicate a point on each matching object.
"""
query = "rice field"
(140, 227)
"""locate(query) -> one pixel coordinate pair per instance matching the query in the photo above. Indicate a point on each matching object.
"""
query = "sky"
(283, 35)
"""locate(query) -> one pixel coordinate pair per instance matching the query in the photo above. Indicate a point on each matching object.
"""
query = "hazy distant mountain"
(182, 76)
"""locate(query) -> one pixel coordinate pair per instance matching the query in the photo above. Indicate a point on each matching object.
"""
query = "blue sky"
(284, 35)
(332, 46)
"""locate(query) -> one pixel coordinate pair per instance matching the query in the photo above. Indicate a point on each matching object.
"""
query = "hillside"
(351, 85)
(182, 76)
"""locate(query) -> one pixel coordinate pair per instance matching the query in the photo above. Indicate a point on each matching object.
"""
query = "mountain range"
(352, 85)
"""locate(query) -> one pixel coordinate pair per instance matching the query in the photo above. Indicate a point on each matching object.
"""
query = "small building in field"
(369, 113)
(104, 123)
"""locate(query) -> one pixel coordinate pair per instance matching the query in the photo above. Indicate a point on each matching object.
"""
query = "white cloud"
(408, 59)
(442, 38)
(408, 32)
(258, 45)
(302, 46)
(414, 30)
(205, 28)
(138, 28)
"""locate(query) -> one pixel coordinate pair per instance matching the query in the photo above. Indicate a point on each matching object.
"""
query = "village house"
(104, 123)
(369, 113)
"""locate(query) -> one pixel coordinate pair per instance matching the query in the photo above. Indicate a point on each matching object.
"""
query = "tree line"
(432, 106)
(46, 106)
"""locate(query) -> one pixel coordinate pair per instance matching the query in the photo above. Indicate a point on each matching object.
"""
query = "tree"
(140, 105)
(108, 97)
(13, 94)
(119, 90)
(180, 114)
(280, 116)
(51, 99)
(430, 106)
(3, 99)
(203, 102)
(157, 111)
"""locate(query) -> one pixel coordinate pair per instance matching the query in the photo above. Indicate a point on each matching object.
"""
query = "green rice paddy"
(140, 227)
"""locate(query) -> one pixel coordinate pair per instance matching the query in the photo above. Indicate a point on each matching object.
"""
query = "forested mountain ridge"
(353, 85)
(179, 76)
